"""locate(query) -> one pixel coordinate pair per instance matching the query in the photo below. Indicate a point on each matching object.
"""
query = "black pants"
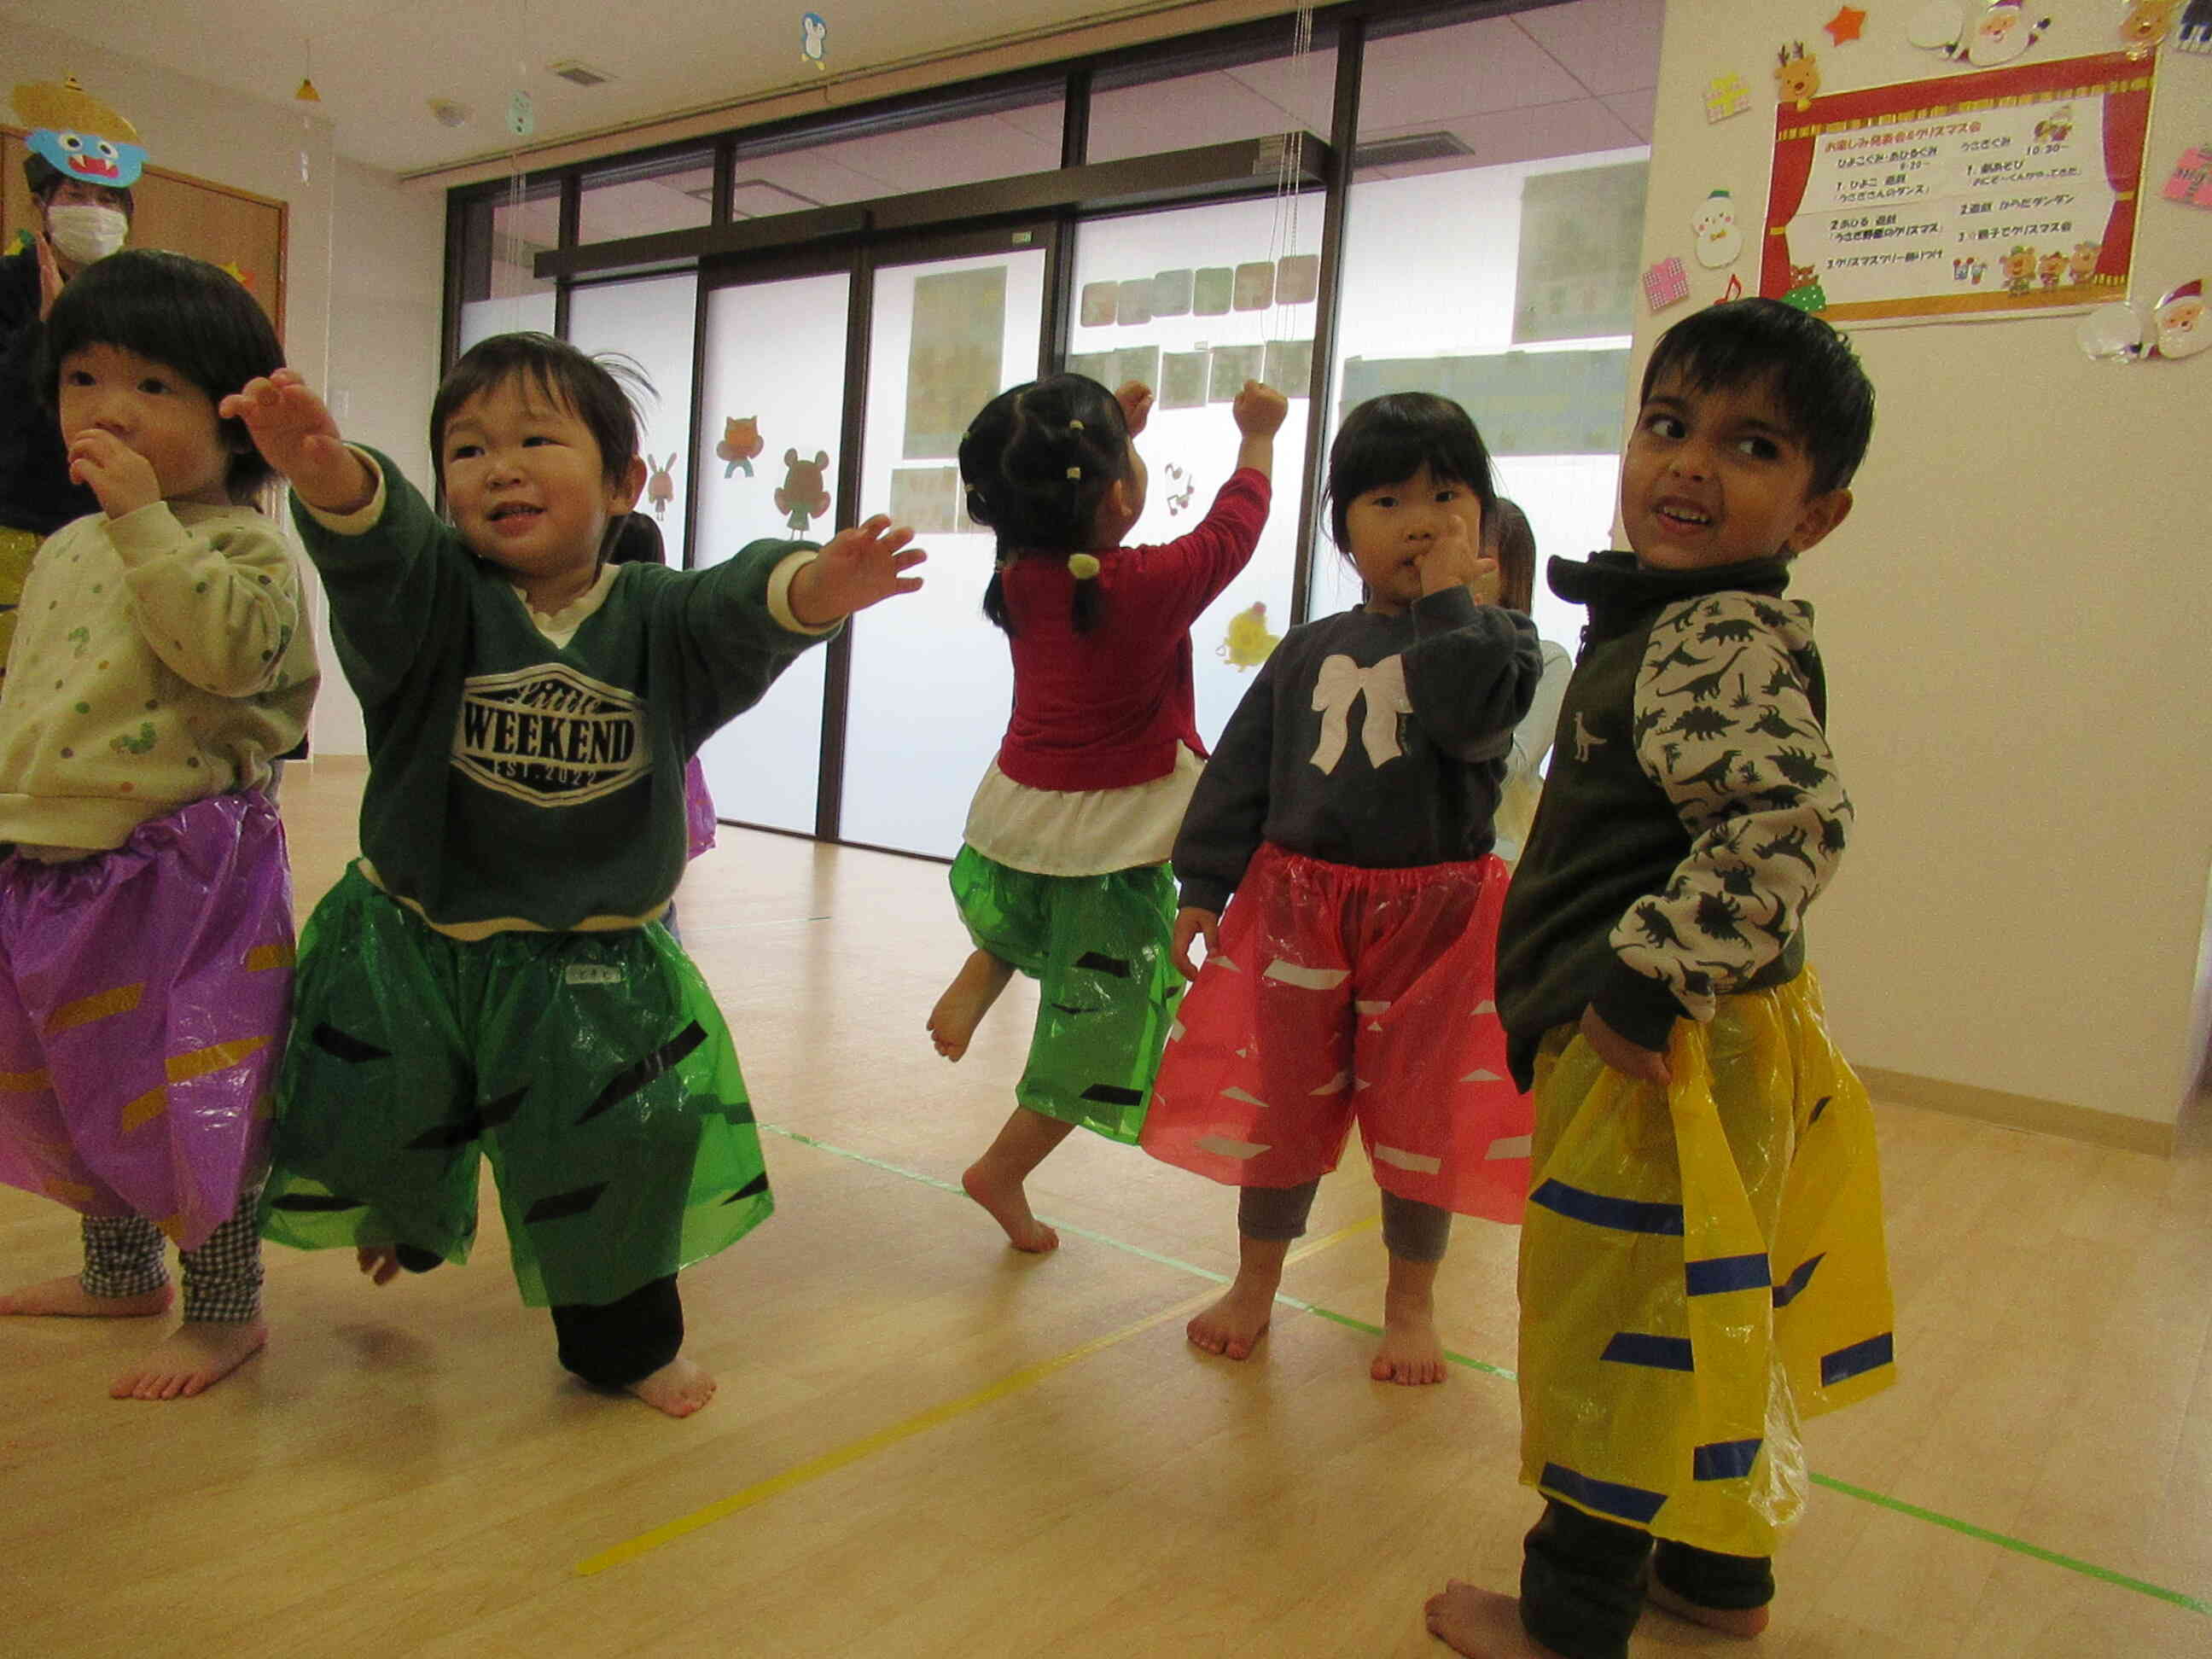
(1582, 1581)
(610, 1345)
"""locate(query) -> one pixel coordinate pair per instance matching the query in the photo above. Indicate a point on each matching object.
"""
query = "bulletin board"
(2012, 191)
(241, 232)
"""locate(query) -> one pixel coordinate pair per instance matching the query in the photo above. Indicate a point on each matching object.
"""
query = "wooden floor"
(927, 1445)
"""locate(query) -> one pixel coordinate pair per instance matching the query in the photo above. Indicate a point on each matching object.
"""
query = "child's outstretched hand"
(1136, 400)
(297, 435)
(856, 568)
(1259, 411)
(1629, 1059)
(118, 475)
(1453, 560)
(1192, 922)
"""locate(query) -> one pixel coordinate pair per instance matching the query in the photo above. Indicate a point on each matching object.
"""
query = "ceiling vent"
(1440, 146)
(582, 74)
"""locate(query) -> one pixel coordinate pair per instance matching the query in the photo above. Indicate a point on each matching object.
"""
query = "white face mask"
(84, 233)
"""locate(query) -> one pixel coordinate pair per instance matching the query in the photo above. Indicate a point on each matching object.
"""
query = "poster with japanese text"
(2006, 191)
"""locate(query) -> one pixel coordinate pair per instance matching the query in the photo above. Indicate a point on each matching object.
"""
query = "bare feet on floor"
(1730, 1621)
(1233, 1326)
(961, 1009)
(67, 1298)
(1481, 1624)
(1411, 1353)
(1009, 1205)
(195, 1356)
(679, 1388)
(379, 1261)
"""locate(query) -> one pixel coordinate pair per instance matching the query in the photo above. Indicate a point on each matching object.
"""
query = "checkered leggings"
(124, 1256)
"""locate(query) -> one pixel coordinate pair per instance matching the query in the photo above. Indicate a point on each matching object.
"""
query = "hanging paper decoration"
(1726, 95)
(1981, 33)
(2182, 328)
(1846, 24)
(2146, 23)
(1805, 291)
(78, 135)
(1666, 283)
(1248, 641)
(814, 40)
(2192, 181)
(660, 487)
(1719, 243)
(1733, 291)
(1797, 74)
(805, 496)
(741, 442)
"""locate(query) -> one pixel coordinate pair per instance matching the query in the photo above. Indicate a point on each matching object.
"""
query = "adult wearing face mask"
(83, 158)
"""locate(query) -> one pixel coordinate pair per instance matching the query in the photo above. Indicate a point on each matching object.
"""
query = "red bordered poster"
(2001, 191)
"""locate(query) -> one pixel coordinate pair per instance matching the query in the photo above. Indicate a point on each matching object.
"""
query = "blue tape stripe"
(1622, 1214)
(1663, 1354)
(1869, 1355)
(1786, 1292)
(1725, 1460)
(1631, 1504)
(1717, 1274)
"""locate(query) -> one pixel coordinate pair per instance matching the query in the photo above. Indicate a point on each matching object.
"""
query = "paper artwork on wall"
(2182, 328)
(925, 499)
(1247, 640)
(660, 487)
(1719, 242)
(1099, 366)
(1213, 288)
(1796, 76)
(1983, 34)
(1232, 366)
(1846, 24)
(1134, 305)
(1298, 279)
(2191, 179)
(1288, 367)
(953, 356)
(1666, 283)
(1183, 378)
(1138, 363)
(1733, 291)
(1582, 235)
(1180, 487)
(1726, 95)
(1255, 285)
(804, 494)
(741, 442)
(814, 41)
(1099, 302)
(1171, 294)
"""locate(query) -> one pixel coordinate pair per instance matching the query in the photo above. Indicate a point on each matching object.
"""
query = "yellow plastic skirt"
(1701, 1265)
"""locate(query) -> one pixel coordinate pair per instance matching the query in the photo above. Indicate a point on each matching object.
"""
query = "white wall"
(2013, 621)
(364, 259)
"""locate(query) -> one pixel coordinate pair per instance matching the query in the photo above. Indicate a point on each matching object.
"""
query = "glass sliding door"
(651, 322)
(931, 682)
(771, 412)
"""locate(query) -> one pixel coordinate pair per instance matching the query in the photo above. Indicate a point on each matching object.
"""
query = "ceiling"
(1559, 79)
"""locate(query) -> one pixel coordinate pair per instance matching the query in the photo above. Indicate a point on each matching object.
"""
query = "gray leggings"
(1411, 1230)
(124, 1255)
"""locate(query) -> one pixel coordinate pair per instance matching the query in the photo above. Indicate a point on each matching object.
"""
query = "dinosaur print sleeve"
(1729, 702)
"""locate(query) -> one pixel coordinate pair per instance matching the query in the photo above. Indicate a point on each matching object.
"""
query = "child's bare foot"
(1234, 1325)
(1009, 1205)
(67, 1298)
(679, 1388)
(1730, 1621)
(379, 1261)
(196, 1356)
(1411, 1353)
(1481, 1624)
(961, 1009)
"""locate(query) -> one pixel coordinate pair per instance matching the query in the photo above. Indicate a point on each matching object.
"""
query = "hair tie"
(1075, 426)
(1075, 473)
(1082, 566)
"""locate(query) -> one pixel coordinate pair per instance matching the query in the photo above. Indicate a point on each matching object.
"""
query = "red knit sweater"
(1106, 709)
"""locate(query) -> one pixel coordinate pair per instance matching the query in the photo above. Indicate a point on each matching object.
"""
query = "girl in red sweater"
(1063, 875)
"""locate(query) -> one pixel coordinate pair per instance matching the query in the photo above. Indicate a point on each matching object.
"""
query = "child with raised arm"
(162, 661)
(1349, 811)
(1702, 1260)
(1062, 875)
(491, 976)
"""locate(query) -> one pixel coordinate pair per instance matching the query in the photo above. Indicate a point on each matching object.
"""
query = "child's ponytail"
(1036, 464)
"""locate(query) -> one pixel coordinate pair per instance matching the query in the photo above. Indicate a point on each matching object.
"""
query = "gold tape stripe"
(26, 1082)
(264, 956)
(216, 1057)
(85, 1010)
(144, 1109)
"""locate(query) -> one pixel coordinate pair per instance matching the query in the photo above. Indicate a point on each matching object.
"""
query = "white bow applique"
(1342, 683)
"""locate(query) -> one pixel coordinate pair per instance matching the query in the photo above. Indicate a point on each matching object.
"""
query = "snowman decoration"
(1719, 243)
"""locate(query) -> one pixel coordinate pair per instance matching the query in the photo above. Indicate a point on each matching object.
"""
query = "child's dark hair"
(180, 311)
(45, 179)
(1389, 438)
(1037, 463)
(600, 391)
(1815, 378)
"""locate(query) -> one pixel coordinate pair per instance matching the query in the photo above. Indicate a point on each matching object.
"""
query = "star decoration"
(1846, 24)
